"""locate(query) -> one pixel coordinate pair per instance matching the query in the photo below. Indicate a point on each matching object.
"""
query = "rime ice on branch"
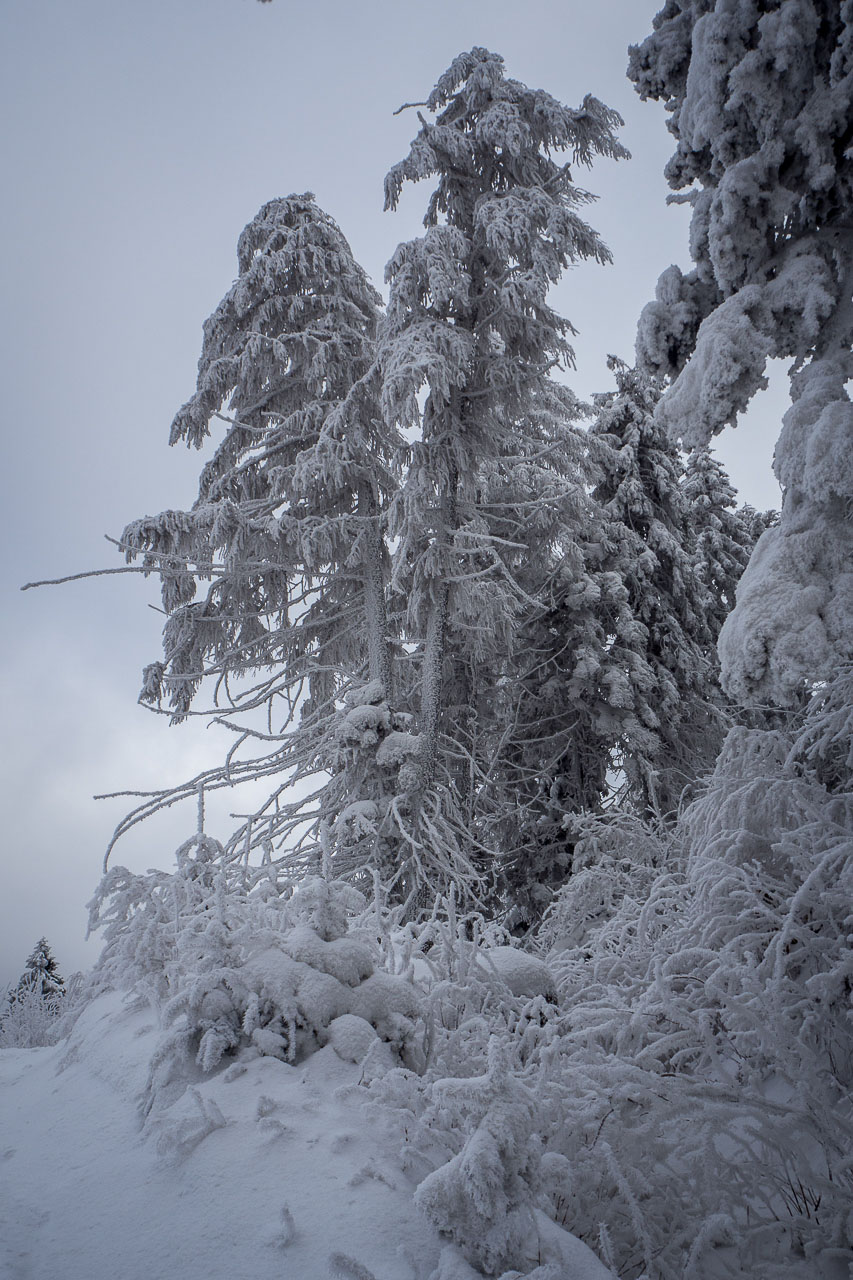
(761, 107)
(448, 434)
(493, 484)
(286, 527)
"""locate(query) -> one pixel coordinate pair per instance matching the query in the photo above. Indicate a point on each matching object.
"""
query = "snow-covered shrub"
(469, 1121)
(477, 986)
(29, 1019)
(483, 1198)
(614, 859)
(702, 1062)
(233, 961)
(33, 1017)
(692, 1081)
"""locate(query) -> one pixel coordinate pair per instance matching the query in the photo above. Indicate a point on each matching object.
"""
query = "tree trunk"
(378, 650)
(435, 644)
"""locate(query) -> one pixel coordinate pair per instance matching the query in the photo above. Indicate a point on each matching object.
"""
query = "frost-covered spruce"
(41, 974)
(725, 534)
(585, 690)
(466, 351)
(651, 544)
(279, 565)
(761, 97)
(622, 687)
(622, 690)
(31, 1014)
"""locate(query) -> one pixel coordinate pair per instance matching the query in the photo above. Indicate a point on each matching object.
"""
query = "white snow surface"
(261, 1169)
(524, 974)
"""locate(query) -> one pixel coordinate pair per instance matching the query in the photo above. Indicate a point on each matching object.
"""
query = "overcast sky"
(139, 138)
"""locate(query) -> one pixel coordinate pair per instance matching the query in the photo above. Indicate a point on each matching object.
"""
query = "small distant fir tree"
(31, 1015)
(41, 975)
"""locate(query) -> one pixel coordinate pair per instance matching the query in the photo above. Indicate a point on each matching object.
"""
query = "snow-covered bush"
(705, 1047)
(29, 1019)
(469, 1122)
(33, 1018)
(234, 961)
(692, 1079)
(483, 1198)
(614, 858)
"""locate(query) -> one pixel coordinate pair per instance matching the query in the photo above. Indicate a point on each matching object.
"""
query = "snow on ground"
(262, 1169)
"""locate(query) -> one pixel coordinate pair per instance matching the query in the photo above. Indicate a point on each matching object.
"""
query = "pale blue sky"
(138, 139)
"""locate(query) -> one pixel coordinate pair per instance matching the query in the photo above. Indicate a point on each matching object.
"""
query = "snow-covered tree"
(761, 98)
(583, 688)
(725, 534)
(651, 544)
(494, 477)
(41, 974)
(286, 528)
(621, 696)
(33, 1006)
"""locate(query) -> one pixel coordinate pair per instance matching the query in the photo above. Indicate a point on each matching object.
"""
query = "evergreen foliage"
(487, 642)
(286, 529)
(653, 547)
(493, 490)
(621, 700)
(421, 474)
(33, 1006)
(41, 974)
(725, 534)
(761, 98)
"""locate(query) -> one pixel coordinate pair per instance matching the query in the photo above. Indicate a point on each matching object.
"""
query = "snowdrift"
(261, 1169)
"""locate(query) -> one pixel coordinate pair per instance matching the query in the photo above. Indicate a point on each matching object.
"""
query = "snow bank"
(263, 1169)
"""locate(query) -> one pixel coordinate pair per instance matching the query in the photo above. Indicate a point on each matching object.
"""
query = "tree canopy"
(761, 99)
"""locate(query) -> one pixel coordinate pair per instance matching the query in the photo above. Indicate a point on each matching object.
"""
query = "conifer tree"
(583, 688)
(286, 529)
(652, 546)
(41, 975)
(494, 479)
(725, 534)
(620, 700)
(761, 98)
